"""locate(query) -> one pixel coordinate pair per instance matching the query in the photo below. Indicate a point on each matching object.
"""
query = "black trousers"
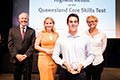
(23, 69)
(65, 75)
(94, 72)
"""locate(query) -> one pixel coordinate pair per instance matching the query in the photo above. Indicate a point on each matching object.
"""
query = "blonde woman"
(44, 43)
(99, 42)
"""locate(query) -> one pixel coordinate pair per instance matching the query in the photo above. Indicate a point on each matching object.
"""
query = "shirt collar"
(75, 36)
(89, 33)
(24, 27)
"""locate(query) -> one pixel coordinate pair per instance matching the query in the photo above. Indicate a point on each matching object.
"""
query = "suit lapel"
(18, 32)
(26, 33)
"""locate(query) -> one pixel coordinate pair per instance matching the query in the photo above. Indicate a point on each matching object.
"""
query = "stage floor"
(108, 74)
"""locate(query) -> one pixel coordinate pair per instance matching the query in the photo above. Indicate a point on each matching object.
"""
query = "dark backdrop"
(111, 55)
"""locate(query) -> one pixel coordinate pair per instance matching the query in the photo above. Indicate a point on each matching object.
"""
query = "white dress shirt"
(99, 42)
(24, 28)
(74, 49)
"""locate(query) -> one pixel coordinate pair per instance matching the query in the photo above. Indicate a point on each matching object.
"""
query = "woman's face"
(92, 23)
(48, 24)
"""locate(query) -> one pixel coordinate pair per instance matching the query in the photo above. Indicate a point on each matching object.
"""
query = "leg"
(88, 71)
(81, 76)
(97, 70)
(47, 68)
(27, 71)
(18, 72)
(63, 74)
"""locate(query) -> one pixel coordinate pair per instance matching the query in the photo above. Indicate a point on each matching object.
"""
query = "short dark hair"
(72, 15)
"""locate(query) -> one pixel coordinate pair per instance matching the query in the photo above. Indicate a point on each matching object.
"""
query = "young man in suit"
(21, 47)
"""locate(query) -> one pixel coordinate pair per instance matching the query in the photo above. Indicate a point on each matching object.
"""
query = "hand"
(79, 68)
(24, 57)
(69, 69)
(74, 72)
(49, 51)
(21, 57)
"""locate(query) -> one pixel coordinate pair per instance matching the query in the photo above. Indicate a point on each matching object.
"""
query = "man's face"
(73, 24)
(23, 19)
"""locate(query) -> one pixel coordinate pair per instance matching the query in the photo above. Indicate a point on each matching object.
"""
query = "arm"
(56, 52)
(11, 45)
(38, 47)
(89, 51)
(104, 42)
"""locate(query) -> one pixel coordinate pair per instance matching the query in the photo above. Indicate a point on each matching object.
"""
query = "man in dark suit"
(21, 47)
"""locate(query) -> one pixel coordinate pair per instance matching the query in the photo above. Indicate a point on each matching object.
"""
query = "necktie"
(22, 33)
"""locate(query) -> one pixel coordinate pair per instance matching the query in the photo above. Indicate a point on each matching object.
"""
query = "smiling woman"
(44, 44)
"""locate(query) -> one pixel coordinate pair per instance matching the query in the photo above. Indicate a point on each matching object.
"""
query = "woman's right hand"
(49, 51)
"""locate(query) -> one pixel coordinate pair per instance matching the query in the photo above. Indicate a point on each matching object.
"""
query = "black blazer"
(17, 45)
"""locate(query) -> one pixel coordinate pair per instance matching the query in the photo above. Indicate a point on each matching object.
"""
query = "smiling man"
(76, 52)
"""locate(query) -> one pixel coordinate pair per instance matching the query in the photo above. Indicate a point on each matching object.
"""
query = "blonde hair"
(53, 29)
(93, 17)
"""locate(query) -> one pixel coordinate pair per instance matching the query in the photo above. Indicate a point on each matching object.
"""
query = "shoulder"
(40, 33)
(56, 33)
(63, 37)
(84, 35)
(30, 28)
(102, 33)
(14, 28)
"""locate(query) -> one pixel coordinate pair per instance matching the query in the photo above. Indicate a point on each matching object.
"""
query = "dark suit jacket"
(17, 45)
